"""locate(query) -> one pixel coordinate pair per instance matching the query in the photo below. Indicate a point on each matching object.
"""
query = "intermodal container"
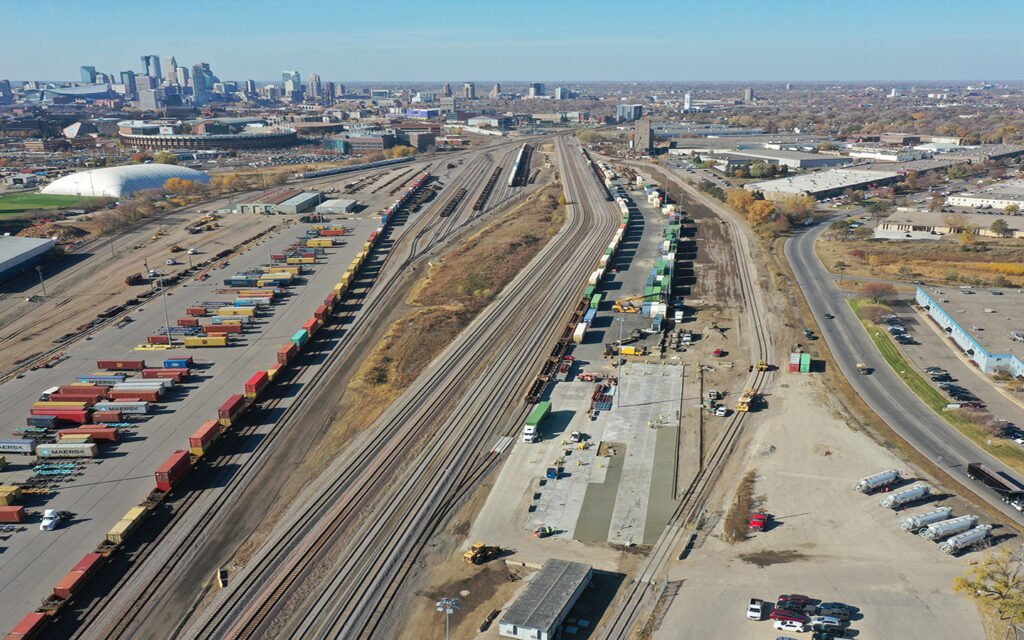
(312, 325)
(172, 471)
(209, 341)
(148, 383)
(287, 352)
(589, 291)
(256, 384)
(230, 409)
(220, 329)
(196, 311)
(41, 421)
(107, 416)
(76, 438)
(74, 581)
(17, 445)
(595, 302)
(805, 363)
(59, 405)
(330, 301)
(301, 337)
(125, 407)
(85, 388)
(178, 363)
(80, 416)
(59, 450)
(278, 256)
(794, 362)
(321, 312)
(158, 339)
(12, 513)
(177, 375)
(29, 627)
(273, 371)
(121, 365)
(101, 379)
(97, 432)
(148, 395)
(236, 311)
(239, 320)
(188, 322)
(204, 437)
(12, 490)
(126, 525)
(588, 317)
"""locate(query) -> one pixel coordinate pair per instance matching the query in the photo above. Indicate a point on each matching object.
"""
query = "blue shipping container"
(176, 363)
(41, 421)
(588, 318)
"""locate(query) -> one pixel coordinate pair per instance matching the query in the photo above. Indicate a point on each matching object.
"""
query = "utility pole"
(618, 367)
(39, 270)
(447, 606)
(167, 319)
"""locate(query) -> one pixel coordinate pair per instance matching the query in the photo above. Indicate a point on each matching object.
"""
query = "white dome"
(117, 182)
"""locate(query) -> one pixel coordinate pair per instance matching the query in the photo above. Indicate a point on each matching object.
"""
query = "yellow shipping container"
(12, 489)
(77, 438)
(366, 247)
(294, 270)
(361, 257)
(61, 405)
(3, 462)
(126, 525)
(6, 499)
(320, 242)
(236, 311)
(208, 341)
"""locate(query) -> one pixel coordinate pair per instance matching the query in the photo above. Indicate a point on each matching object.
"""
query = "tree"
(562, 200)
(906, 270)
(178, 186)
(998, 578)
(165, 157)
(878, 291)
(401, 151)
(879, 207)
(798, 206)
(738, 199)
(1000, 228)
(936, 203)
(759, 212)
(1012, 210)
(863, 233)
(955, 222)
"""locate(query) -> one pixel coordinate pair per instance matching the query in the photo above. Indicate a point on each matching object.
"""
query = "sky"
(524, 40)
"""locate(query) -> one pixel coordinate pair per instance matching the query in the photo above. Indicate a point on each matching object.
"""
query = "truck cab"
(530, 433)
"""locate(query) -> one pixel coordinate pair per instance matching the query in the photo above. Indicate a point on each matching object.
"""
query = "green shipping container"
(589, 291)
(805, 363)
(595, 302)
(608, 252)
(538, 414)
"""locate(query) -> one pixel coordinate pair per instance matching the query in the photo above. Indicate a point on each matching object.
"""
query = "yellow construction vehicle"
(762, 365)
(175, 249)
(626, 305)
(480, 553)
(747, 399)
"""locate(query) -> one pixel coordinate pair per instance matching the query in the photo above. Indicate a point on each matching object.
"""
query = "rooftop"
(274, 197)
(932, 219)
(987, 315)
(820, 181)
(12, 247)
(547, 594)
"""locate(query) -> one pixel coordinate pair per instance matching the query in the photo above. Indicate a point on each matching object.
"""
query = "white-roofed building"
(18, 254)
(118, 182)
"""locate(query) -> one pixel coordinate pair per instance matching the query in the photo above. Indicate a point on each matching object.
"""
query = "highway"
(883, 390)
(364, 522)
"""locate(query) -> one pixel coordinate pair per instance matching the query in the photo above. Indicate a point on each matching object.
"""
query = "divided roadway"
(883, 390)
(337, 563)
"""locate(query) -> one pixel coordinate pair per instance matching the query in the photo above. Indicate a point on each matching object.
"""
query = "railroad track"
(413, 497)
(157, 565)
(640, 594)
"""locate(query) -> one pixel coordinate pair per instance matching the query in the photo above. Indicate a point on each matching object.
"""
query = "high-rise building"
(446, 90)
(103, 78)
(629, 112)
(250, 86)
(171, 70)
(314, 88)
(536, 90)
(328, 92)
(748, 94)
(151, 66)
(561, 93)
(128, 80)
(643, 140)
(469, 91)
(495, 91)
(6, 95)
(182, 76)
(449, 105)
(339, 91)
(88, 74)
(152, 99)
(687, 102)
(291, 80)
(789, 86)
(200, 91)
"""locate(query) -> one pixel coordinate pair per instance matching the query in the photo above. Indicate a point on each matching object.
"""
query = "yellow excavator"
(627, 305)
(480, 553)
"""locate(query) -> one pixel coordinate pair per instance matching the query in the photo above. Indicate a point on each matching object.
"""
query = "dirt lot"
(989, 262)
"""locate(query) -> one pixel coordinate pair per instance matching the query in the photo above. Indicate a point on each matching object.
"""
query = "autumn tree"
(998, 578)
(401, 151)
(178, 186)
(955, 221)
(738, 199)
(878, 291)
(1012, 210)
(937, 202)
(797, 206)
(863, 233)
(759, 212)
(165, 157)
(227, 182)
(1000, 228)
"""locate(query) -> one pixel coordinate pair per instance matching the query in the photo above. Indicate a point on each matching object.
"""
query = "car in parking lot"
(934, 370)
(818, 621)
(788, 625)
(942, 377)
(718, 353)
(787, 614)
(830, 634)
(835, 610)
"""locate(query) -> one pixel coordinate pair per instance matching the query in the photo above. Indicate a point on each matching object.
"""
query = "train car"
(30, 628)
(173, 470)
(69, 450)
(256, 384)
(230, 409)
(300, 338)
(76, 579)
(126, 525)
(204, 437)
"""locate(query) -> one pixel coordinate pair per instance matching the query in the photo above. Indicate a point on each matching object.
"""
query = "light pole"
(167, 319)
(39, 270)
(447, 606)
(618, 368)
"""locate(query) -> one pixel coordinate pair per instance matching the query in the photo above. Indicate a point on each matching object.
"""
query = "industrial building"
(997, 196)
(18, 254)
(538, 613)
(337, 205)
(118, 182)
(282, 201)
(822, 184)
(301, 203)
(780, 157)
(987, 324)
(930, 224)
(643, 139)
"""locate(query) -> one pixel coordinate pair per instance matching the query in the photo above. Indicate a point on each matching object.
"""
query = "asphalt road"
(883, 390)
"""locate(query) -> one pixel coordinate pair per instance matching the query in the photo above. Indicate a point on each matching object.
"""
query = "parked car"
(760, 521)
(794, 597)
(789, 625)
(755, 610)
(817, 621)
(835, 610)
(718, 353)
(722, 411)
(828, 632)
(786, 614)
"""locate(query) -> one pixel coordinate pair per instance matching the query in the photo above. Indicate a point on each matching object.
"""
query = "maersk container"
(172, 471)
(905, 496)
(126, 408)
(61, 450)
(965, 539)
(145, 383)
(945, 528)
(877, 480)
(17, 445)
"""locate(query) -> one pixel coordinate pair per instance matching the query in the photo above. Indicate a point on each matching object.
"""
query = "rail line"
(383, 547)
(641, 591)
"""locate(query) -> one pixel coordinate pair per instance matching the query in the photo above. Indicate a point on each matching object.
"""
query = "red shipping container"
(94, 388)
(205, 434)
(256, 384)
(331, 300)
(121, 365)
(107, 416)
(311, 325)
(29, 626)
(171, 471)
(136, 394)
(794, 368)
(307, 254)
(188, 322)
(158, 339)
(90, 398)
(79, 416)
(196, 311)
(211, 329)
(231, 407)
(78, 576)
(278, 256)
(287, 352)
(96, 431)
(12, 513)
(174, 374)
(321, 312)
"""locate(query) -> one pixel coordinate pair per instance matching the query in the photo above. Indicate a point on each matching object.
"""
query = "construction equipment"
(480, 553)
(176, 249)
(626, 305)
(762, 365)
(743, 404)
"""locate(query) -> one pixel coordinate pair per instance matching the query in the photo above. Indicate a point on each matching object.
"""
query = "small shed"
(538, 613)
(337, 205)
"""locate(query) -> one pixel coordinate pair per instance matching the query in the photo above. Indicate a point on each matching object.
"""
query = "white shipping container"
(577, 334)
(595, 277)
(134, 408)
(149, 383)
(604, 261)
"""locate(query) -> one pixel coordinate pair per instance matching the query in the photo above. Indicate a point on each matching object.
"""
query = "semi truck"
(965, 539)
(877, 481)
(905, 496)
(916, 523)
(531, 430)
(1007, 490)
(946, 528)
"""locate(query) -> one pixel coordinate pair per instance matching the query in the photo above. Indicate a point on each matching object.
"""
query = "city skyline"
(573, 41)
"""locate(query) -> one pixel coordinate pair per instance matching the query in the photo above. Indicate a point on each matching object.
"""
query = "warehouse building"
(935, 225)
(118, 182)
(538, 613)
(270, 203)
(18, 254)
(823, 184)
(337, 205)
(987, 324)
(780, 157)
(997, 196)
(301, 203)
